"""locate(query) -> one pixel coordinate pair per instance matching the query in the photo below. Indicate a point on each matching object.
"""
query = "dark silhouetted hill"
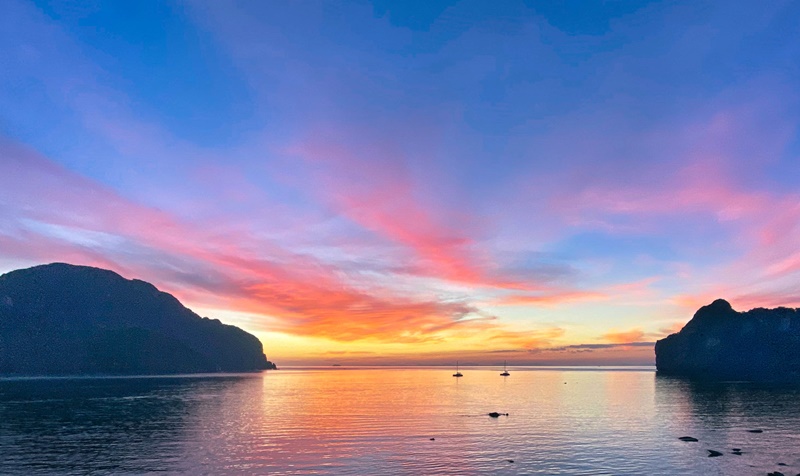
(60, 319)
(722, 344)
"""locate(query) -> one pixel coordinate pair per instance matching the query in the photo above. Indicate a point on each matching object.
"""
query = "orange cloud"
(633, 335)
(640, 353)
(346, 315)
(672, 329)
(70, 218)
(299, 294)
(526, 340)
(348, 352)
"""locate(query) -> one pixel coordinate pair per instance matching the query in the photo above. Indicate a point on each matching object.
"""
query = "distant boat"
(505, 372)
(457, 374)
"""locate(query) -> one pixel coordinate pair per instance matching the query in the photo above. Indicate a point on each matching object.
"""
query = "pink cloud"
(62, 216)
(705, 189)
(369, 185)
(376, 192)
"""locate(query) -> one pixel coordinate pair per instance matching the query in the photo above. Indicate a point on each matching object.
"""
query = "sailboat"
(505, 372)
(457, 374)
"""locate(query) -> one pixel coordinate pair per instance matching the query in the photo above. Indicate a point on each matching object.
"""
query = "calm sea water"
(380, 421)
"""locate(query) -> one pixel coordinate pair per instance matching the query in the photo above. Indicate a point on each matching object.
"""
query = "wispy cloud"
(592, 347)
(71, 218)
(380, 183)
(633, 335)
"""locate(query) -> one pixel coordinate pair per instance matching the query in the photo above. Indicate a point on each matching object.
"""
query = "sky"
(412, 182)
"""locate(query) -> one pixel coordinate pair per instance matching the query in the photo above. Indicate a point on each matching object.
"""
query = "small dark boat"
(457, 374)
(505, 372)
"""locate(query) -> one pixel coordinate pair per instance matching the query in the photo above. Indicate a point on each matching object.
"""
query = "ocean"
(398, 421)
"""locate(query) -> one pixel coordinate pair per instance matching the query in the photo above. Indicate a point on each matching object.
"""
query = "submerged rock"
(688, 438)
(713, 453)
(719, 343)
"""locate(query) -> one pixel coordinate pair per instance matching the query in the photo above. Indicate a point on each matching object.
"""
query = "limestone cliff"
(61, 319)
(722, 344)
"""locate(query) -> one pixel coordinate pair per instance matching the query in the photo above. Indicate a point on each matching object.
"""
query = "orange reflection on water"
(380, 421)
(385, 417)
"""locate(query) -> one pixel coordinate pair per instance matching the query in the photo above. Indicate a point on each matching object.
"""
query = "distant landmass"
(60, 319)
(722, 344)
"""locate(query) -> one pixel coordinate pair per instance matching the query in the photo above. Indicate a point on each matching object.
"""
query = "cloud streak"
(84, 222)
(481, 183)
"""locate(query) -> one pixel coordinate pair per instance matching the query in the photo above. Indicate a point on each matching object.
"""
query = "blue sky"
(406, 179)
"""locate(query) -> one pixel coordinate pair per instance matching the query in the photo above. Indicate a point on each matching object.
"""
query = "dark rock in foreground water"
(60, 319)
(496, 415)
(688, 438)
(722, 344)
(713, 453)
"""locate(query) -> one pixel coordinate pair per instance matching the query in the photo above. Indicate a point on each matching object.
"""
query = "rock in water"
(713, 453)
(497, 415)
(687, 438)
(722, 344)
(61, 319)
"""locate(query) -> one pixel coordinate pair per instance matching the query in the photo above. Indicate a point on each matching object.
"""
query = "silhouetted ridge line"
(722, 344)
(61, 319)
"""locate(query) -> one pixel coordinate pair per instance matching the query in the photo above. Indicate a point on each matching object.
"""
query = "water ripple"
(381, 421)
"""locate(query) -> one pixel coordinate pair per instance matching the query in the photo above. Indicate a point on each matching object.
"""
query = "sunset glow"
(370, 183)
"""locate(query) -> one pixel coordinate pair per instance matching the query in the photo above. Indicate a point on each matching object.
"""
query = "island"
(62, 319)
(719, 343)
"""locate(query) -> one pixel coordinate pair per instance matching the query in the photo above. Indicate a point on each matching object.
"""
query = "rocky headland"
(61, 319)
(720, 343)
